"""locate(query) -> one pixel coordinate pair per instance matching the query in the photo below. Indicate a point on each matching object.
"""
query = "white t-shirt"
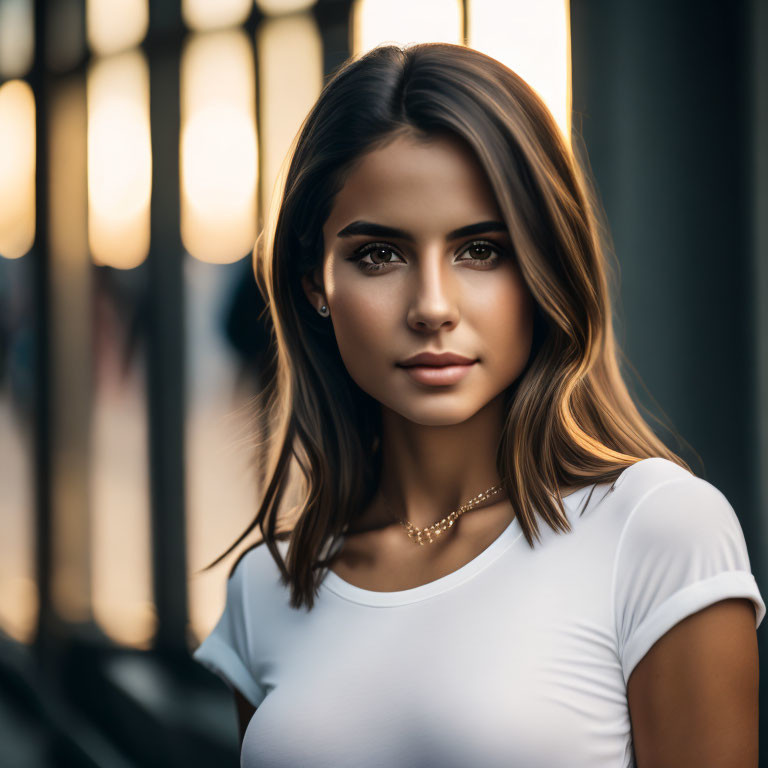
(518, 658)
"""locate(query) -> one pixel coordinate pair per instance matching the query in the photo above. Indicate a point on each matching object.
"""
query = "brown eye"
(483, 253)
(372, 257)
(375, 253)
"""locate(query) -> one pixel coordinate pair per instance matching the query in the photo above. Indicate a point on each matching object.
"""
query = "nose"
(433, 303)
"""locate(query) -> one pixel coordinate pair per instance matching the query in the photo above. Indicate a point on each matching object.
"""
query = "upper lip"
(434, 358)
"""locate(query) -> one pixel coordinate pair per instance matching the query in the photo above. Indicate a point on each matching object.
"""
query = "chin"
(435, 414)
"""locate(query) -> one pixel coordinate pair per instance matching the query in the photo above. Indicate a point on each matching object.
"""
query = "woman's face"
(428, 286)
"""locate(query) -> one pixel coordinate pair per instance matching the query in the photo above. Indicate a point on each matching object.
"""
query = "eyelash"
(370, 267)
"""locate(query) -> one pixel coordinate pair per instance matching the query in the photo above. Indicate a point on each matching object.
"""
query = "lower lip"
(438, 375)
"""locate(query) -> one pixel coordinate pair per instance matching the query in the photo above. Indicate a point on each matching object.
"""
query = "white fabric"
(518, 658)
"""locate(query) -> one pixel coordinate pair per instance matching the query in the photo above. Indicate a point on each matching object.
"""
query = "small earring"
(324, 311)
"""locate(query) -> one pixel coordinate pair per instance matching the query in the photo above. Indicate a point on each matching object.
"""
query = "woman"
(447, 381)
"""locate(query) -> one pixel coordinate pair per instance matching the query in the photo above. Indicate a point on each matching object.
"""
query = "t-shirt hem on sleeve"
(686, 602)
(220, 659)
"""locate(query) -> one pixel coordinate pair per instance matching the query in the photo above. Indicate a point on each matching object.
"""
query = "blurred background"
(139, 146)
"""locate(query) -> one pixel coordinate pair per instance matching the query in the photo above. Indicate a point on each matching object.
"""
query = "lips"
(438, 375)
(436, 359)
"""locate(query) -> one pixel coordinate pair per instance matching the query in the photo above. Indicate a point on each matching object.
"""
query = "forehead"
(421, 186)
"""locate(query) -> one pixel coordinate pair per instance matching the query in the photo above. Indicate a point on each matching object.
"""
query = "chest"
(491, 673)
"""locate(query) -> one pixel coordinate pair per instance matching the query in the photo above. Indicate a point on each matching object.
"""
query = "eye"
(483, 252)
(375, 250)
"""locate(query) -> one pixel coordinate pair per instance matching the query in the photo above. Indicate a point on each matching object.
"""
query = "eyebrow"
(379, 230)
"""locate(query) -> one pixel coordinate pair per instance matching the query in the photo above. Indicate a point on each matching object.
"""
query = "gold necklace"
(432, 532)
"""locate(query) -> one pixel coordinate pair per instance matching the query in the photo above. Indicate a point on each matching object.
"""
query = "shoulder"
(257, 603)
(605, 508)
(680, 549)
(664, 504)
(257, 558)
(255, 576)
(647, 475)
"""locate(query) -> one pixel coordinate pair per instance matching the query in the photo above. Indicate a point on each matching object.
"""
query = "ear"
(312, 284)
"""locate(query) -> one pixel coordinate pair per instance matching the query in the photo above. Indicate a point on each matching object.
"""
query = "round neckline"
(341, 587)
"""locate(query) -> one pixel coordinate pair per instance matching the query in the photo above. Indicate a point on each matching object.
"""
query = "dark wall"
(662, 91)
(671, 101)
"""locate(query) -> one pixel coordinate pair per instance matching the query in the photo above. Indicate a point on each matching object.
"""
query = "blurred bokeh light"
(531, 38)
(280, 7)
(115, 25)
(17, 169)
(204, 14)
(290, 66)
(219, 160)
(401, 22)
(119, 159)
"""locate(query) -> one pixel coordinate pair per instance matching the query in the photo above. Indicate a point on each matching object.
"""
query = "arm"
(245, 712)
(693, 698)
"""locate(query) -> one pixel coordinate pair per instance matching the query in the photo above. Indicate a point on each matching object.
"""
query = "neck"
(430, 470)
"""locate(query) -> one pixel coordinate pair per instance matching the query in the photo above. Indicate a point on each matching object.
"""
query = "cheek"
(363, 323)
(505, 321)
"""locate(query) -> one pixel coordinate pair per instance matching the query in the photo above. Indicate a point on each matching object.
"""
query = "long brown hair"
(570, 420)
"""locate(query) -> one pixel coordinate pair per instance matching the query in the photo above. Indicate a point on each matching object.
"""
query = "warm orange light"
(281, 7)
(119, 160)
(533, 39)
(214, 14)
(404, 21)
(115, 25)
(290, 60)
(17, 169)
(218, 146)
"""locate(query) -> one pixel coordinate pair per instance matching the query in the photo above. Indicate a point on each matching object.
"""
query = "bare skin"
(694, 697)
(430, 293)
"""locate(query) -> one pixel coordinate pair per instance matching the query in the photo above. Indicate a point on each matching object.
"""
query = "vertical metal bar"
(334, 19)
(40, 257)
(165, 333)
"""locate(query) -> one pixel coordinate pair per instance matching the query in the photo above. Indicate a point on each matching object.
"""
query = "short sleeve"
(225, 651)
(681, 549)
